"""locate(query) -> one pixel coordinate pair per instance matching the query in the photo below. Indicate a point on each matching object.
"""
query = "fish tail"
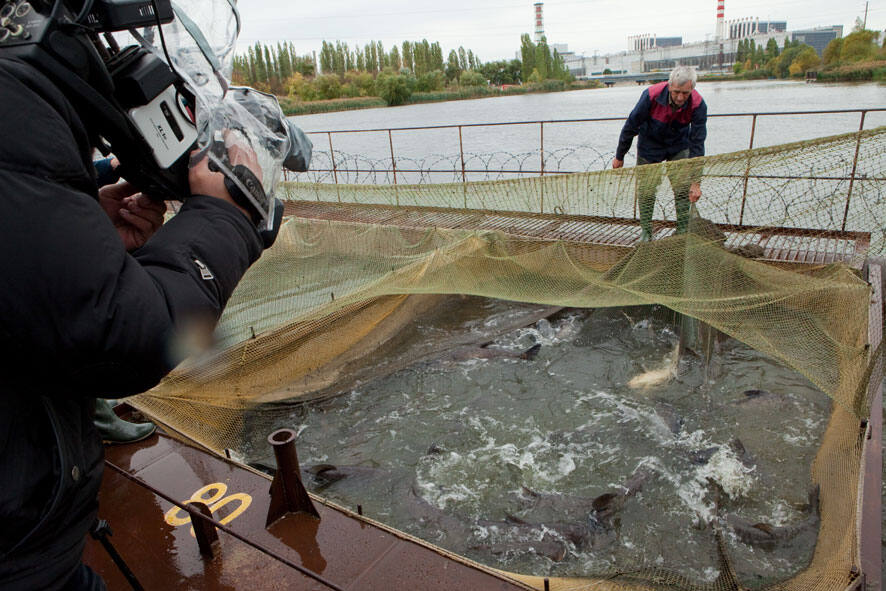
(531, 352)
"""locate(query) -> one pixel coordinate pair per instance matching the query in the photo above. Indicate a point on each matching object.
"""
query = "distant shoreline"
(875, 72)
(293, 107)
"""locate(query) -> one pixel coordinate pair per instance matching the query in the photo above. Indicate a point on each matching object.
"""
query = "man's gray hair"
(683, 74)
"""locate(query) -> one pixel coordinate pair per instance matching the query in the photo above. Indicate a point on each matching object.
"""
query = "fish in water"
(486, 352)
(669, 415)
(602, 508)
(607, 505)
(319, 476)
(580, 534)
(435, 450)
(513, 534)
(703, 456)
(654, 377)
(769, 537)
(755, 393)
(755, 397)
(595, 526)
(548, 546)
(519, 535)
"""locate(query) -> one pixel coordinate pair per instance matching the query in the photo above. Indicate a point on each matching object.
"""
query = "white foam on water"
(631, 411)
(456, 494)
(567, 464)
(782, 514)
(449, 468)
(804, 434)
(544, 333)
(726, 469)
(695, 440)
(692, 493)
(709, 574)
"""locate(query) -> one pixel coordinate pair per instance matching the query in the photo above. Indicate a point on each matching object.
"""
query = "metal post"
(747, 170)
(854, 166)
(461, 152)
(288, 494)
(334, 168)
(542, 169)
(204, 531)
(394, 168)
(393, 161)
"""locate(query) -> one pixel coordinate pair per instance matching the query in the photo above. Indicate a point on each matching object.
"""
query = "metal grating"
(781, 245)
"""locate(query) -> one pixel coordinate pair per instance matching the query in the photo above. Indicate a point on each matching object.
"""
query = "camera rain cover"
(200, 44)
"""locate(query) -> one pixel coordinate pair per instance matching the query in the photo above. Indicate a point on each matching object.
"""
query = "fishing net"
(774, 257)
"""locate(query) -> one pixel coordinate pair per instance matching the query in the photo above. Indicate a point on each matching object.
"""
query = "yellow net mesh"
(778, 269)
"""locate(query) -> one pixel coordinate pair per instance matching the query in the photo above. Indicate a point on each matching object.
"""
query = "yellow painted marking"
(214, 501)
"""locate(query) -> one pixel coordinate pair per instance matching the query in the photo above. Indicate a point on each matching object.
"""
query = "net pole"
(394, 168)
(854, 168)
(747, 171)
(461, 152)
(334, 167)
(541, 154)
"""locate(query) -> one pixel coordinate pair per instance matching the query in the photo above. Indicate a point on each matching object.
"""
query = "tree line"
(857, 47)
(340, 71)
(794, 59)
(540, 63)
(268, 68)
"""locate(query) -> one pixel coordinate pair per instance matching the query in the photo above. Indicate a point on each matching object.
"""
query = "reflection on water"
(554, 466)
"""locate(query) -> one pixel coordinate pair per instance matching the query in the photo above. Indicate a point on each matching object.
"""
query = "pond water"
(553, 464)
(570, 146)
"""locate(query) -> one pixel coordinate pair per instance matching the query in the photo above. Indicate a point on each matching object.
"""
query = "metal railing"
(463, 172)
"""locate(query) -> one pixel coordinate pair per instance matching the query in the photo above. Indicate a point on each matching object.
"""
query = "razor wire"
(338, 166)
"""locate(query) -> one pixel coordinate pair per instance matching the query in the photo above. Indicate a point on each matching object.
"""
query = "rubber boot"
(113, 429)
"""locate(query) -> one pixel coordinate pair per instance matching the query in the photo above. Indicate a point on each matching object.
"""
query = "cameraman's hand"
(203, 181)
(135, 215)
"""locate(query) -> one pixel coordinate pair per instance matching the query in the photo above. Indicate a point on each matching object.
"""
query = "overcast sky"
(493, 30)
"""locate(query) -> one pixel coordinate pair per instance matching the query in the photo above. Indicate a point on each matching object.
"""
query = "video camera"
(150, 108)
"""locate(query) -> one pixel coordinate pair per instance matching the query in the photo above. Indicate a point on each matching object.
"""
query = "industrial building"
(818, 37)
(649, 52)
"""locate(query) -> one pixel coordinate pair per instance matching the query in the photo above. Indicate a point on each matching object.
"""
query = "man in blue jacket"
(670, 119)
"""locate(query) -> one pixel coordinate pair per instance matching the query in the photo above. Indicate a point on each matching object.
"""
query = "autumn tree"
(527, 52)
(806, 59)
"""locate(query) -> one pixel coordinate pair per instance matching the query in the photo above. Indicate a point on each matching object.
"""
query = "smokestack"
(539, 22)
(720, 24)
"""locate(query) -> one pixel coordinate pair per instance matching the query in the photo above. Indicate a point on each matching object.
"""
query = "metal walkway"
(339, 551)
(614, 236)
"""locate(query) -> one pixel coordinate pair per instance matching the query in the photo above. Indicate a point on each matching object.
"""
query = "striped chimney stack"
(539, 22)
(721, 28)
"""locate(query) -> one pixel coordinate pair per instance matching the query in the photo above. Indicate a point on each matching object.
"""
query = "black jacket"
(81, 318)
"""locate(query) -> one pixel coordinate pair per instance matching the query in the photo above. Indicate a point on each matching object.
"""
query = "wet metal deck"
(154, 537)
(786, 246)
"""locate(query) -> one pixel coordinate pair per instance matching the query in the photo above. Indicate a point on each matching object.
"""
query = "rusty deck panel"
(784, 246)
(154, 537)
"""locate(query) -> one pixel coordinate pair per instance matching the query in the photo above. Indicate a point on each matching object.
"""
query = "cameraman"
(80, 317)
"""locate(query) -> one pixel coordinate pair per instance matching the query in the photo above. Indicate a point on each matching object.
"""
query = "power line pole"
(865, 24)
